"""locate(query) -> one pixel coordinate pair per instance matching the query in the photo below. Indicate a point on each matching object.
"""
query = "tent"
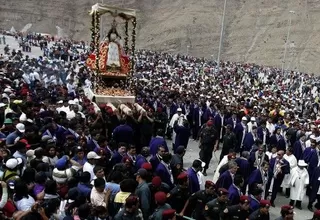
(12, 30)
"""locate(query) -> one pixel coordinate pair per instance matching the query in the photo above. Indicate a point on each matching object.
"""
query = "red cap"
(110, 111)
(147, 166)
(160, 197)
(222, 191)
(102, 106)
(316, 214)
(244, 199)
(25, 142)
(168, 214)
(231, 156)
(156, 181)
(209, 123)
(131, 201)
(127, 159)
(209, 184)
(265, 203)
(287, 209)
(182, 176)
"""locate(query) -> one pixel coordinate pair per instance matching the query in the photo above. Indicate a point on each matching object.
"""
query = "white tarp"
(26, 28)
(125, 13)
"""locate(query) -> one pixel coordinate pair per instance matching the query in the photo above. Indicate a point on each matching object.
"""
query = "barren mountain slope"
(255, 30)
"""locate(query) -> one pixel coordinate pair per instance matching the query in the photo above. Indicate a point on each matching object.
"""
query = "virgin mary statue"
(112, 58)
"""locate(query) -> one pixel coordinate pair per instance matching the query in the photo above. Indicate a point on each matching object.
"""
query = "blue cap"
(61, 163)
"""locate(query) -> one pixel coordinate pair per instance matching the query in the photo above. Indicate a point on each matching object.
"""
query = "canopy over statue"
(110, 58)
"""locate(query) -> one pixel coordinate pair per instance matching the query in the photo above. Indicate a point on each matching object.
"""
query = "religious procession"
(101, 131)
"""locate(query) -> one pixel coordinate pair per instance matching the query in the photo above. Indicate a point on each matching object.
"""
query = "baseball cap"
(143, 173)
(179, 110)
(93, 155)
(62, 162)
(20, 127)
(25, 142)
(12, 163)
(8, 120)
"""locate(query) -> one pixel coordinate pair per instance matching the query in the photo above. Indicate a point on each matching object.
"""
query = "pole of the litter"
(185, 217)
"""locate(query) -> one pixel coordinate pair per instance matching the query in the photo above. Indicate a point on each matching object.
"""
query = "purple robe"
(225, 180)
(234, 195)
(155, 143)
(193, 181)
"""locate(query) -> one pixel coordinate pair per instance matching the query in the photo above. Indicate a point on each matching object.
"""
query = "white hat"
(71, 102)
(13, 163)
(7, 90)
(302, 163)
(93, 155)
(60, 102)
(29, 120)
(30, 153)
(2, 105)
(179, 110)
(244, 118)
(252, 119)
(20, 127)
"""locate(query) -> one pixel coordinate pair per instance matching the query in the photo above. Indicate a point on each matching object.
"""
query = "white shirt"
(25, 204)
(71, 88)
(89, 168)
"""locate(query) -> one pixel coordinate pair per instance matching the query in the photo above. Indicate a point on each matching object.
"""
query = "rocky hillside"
(255, 30)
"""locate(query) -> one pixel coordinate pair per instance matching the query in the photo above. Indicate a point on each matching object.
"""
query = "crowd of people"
(65, 157)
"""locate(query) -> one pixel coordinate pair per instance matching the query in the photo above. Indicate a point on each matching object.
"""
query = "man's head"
(181, 150)
(210, 187)
(233, 167)
(244, 203)
(197, 165)
(132, 150)
(238, 181)
(280, 154)
(228, 129)
(179, 111)
(257, 193)
(222, 195)
(265, 166)
(166, 157)
(141, 175)
(254, 129)
(182, 179)
(244, 120)
(98, 171)
(132, 204)
(20, 128)
(122, 148)
(287, 212)
(160, 198)
(99, 184)
(264, 206)
(161, 150)
(93, 157)
(289, 151)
